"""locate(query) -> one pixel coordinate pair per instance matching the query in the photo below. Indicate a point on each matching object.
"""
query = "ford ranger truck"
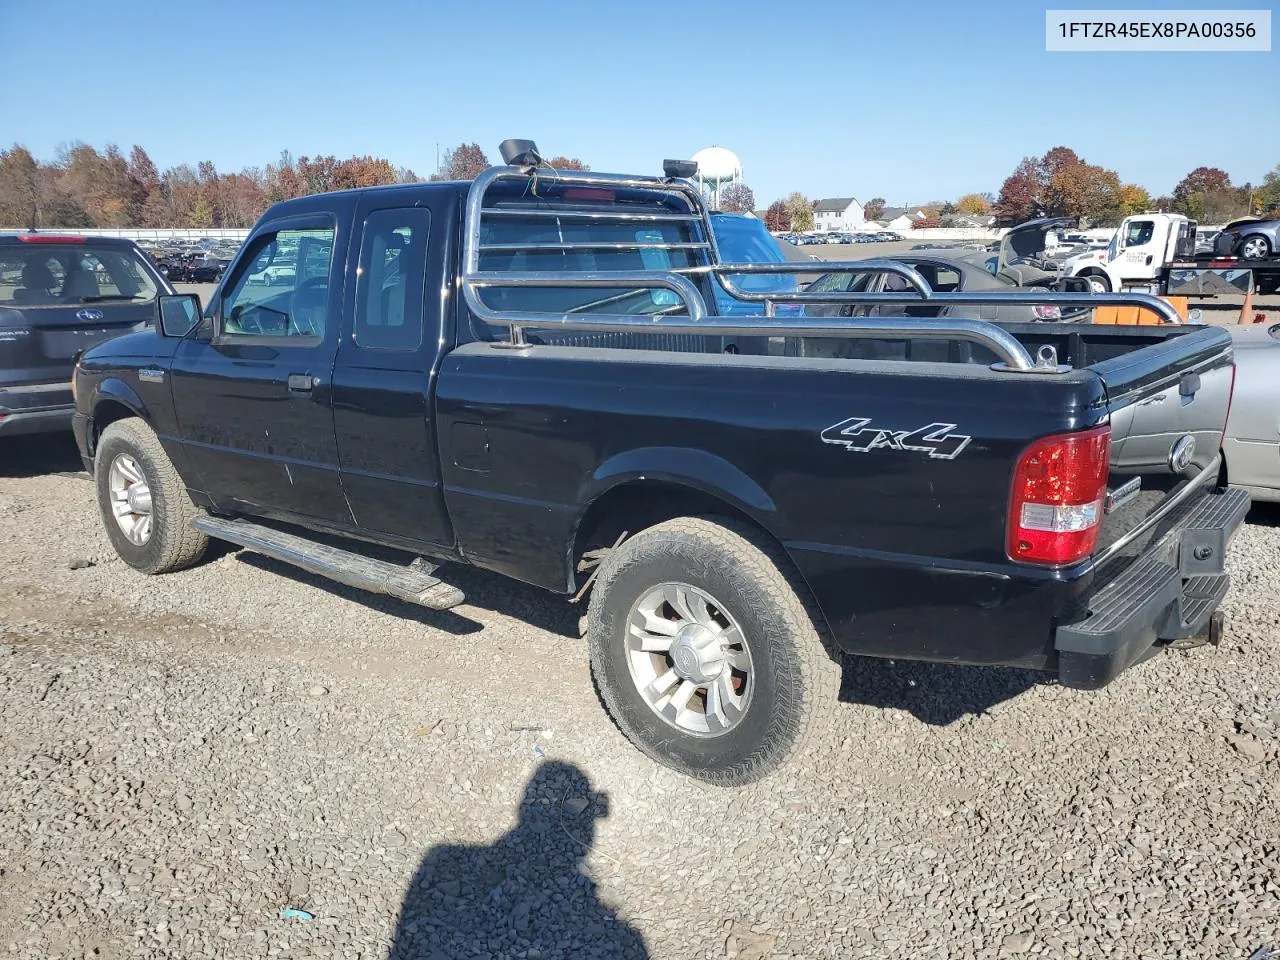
(526, 373)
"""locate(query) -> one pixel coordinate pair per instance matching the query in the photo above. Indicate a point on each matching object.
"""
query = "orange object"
(1136, 316)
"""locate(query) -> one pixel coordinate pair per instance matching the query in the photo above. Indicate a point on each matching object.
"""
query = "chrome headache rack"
(1013, 355)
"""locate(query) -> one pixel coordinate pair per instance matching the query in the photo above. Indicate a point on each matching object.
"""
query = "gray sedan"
(953, 272)
(1251, 447)
(1249, 239)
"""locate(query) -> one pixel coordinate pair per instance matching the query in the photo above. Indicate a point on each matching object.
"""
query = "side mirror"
(177, 314)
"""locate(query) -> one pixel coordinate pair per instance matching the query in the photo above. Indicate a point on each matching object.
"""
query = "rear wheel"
(145, 508)
(1255, 247)
(706, 650)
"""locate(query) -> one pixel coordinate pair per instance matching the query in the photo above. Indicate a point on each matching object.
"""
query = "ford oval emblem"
(88, 314)
(1181, 453)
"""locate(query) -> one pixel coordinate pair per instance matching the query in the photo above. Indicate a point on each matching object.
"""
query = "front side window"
(392, 278)
(283, 291)
(1139, 232)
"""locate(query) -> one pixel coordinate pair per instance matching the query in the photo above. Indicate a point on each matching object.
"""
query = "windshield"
(54, 275)
(1113, 248)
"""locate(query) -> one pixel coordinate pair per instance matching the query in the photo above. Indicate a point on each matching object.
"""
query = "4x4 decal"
(936, 439)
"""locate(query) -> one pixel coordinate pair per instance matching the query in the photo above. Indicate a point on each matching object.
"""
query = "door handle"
(300, 383)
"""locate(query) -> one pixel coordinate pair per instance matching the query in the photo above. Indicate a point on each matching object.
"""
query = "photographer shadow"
(527, 894)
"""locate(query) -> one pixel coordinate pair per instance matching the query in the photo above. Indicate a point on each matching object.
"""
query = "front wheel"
(1255, 248)
(1098, 284)
(145, 508)
(707, 652)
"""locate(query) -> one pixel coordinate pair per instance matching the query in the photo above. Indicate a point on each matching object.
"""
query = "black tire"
(173, 543)
(1261, 253)
(1099, 278)
(795, 676)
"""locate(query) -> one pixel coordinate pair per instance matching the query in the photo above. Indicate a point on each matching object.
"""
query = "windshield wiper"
(111, 296)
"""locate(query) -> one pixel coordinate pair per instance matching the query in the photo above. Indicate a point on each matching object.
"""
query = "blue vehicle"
(744, 239)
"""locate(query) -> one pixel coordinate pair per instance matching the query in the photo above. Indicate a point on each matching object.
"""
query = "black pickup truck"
(523, 373)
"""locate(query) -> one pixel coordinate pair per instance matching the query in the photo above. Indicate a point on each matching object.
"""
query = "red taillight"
(48, 238)
(1059, 486)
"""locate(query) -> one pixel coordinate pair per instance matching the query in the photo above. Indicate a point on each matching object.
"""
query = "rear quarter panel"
(903, 550)
(1252, 443)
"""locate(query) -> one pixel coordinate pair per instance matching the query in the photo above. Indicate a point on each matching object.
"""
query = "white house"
(836, 214)
(900, 218)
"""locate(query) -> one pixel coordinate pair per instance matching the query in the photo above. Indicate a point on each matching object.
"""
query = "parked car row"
(808, 239)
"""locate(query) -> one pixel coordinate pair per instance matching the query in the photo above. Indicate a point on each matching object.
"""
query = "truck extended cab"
(525, 373)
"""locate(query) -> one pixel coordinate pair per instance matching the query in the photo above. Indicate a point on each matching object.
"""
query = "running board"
(405, 583)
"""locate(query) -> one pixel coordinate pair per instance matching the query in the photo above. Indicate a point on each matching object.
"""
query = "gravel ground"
(183, 757)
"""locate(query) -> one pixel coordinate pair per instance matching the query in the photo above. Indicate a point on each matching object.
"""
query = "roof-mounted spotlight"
(679, 169)
(520, 153)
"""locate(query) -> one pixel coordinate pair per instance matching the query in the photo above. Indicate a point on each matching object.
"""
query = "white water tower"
(717, 167)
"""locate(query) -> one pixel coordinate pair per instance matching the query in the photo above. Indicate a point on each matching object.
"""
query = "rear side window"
(392, 278)
(53, 275)
(515, 244)
(283, 289)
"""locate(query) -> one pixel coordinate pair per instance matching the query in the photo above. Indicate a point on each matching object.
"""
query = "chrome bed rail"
(1013, 354)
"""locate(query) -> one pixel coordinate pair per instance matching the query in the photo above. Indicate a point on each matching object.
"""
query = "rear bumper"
(39, 408)
(1168, 593)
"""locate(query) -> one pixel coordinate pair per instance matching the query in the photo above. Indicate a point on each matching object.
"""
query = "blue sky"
(909, 100)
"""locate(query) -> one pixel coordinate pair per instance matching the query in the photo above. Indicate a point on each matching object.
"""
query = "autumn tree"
(1084, 190)
(1019, 193)
(777, 218)
(96, 183)
(145, 200)
(1206, 194)
(466, 161)
(737, 198)
(1133, 199)
(1268, 195)
(281, 180)
(874, 208)
(181, 189)
(801, 209)
(20, 190)
(316, 173)
(566, 163)
(201, 212)
(241, 198)
(1201, 180)
(1054, 161)
(973, 203)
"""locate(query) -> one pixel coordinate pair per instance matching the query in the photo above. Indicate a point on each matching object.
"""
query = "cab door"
(1142, 242)
(384, 374)
(252, 391)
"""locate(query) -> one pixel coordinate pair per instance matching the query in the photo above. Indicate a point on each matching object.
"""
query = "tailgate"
(1168, 403)
(60, 295)
(38, 344)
